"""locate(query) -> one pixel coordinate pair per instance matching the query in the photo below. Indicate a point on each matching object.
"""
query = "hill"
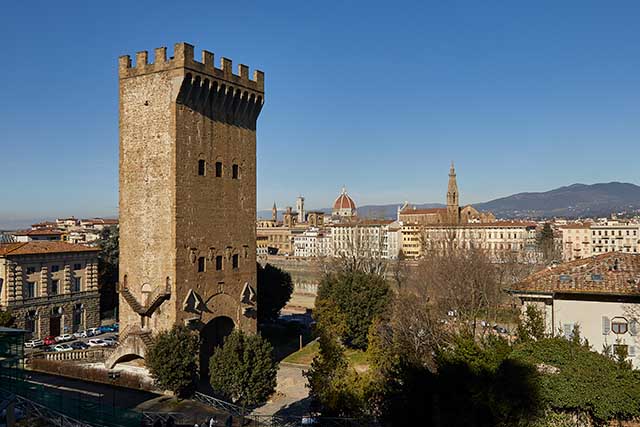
(577, 200)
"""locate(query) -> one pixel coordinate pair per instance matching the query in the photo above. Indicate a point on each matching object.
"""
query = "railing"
(52, 417)
(95, 354)
(227, 407)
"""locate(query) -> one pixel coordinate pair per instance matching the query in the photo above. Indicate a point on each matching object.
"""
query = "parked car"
(93, 332)
(79, 345)
(500, 329)
(33, 343)
(110, 328)
(110, 341)
(49, 340)
(97, 343)
(80, 334)
(64, 338)
(47, 349)
(62, 347)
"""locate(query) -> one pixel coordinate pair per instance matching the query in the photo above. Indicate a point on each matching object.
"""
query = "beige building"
(50, 287)
(599, 294)
(187, 198)
(588, 239)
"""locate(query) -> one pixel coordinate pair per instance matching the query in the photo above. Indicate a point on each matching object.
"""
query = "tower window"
(201, 265)
(235, 171)
(219, 262)
(218, 169)
(202, 167)
(235, 261)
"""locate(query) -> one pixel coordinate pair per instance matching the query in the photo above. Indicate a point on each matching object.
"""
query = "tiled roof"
(411, 211)
(40, 232)
(344, 202)
(576, 226)
(41, 247)
(612, 273)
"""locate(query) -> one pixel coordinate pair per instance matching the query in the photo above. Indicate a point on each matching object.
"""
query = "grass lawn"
(357, 358)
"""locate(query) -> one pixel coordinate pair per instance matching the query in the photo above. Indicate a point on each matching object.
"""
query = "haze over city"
(378, 98)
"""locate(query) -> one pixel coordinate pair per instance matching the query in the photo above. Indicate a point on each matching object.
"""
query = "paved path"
(290, 390)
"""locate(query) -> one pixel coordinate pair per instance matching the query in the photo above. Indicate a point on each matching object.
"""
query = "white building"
(365, 239)
(314, 242)
(600, 294)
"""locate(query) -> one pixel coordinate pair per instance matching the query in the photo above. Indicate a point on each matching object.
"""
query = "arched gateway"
(212, 336)
(187, 196)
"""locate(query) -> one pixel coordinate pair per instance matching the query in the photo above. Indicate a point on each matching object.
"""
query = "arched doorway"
(212, 336)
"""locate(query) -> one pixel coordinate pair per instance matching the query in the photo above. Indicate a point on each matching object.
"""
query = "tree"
(462, 285)
(581, 381)
(6, 319)
(172, 360)
(531, 325)
(242, 370)
(108, 267)
(274, 291)
(348, 302)
(546, 243)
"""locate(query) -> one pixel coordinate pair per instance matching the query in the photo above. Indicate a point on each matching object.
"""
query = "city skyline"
(468, 84)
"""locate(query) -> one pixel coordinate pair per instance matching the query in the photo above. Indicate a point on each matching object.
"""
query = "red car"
(49, 340)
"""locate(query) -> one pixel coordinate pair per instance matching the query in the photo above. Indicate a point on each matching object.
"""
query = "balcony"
(52, 299)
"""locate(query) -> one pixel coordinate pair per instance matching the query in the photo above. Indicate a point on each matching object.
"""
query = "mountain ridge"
(570, 201)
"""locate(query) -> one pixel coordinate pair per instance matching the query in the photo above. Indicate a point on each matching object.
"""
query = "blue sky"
(378, 96)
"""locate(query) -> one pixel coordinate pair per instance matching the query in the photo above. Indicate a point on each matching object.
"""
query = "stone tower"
(300, 209)
(453, 200)
(274, 213)
(187, 198)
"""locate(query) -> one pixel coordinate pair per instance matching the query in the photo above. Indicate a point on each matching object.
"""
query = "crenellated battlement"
(184, 58)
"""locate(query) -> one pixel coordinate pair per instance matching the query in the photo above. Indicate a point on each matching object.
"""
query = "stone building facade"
(50, 287)
(187, 198)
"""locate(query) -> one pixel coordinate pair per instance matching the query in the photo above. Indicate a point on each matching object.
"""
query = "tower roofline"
(184, 58)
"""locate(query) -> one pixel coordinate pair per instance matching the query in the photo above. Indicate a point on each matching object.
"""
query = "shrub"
(242, 370)
(172, 360)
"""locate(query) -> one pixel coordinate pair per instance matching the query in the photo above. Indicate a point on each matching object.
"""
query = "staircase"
(162, 295)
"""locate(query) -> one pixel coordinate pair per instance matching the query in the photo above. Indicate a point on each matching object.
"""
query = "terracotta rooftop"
(41, 247)
(613, 273)
(39, 232)
(411, 211)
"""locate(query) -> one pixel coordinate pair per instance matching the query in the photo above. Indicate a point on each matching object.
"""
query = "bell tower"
(453, 201)
(187, 197)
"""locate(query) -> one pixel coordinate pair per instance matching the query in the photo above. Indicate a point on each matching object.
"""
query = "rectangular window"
(219, 262)
(234, 261)
(235, 171)
(77, 266)
(202, 166)
(201, 265)
(55, 285)
(30, 290)
(218, 169)
(31, 270)
(55, 268)
(76, 285)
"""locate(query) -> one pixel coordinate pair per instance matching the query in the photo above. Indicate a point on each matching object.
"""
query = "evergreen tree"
(546, 242)
(348, 302)
(172, 360)
(242, 370)
(274, 291)
(108, 267)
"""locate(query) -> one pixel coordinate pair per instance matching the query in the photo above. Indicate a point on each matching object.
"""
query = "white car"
(110, 341)
(62, 347)
(93, 331)
(97, 343)
(64, 337)
(33, 343)
(80, 334)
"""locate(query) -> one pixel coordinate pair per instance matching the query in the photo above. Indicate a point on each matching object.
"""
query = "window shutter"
(567, 329)
(632, 351)
(633, 327)
(606, 325)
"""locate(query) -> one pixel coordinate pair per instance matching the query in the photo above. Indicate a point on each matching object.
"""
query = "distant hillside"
(577, 200)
